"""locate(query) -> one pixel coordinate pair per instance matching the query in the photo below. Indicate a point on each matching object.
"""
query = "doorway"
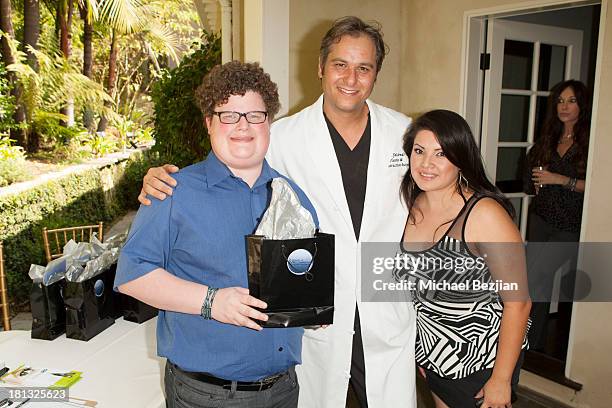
(513, 60)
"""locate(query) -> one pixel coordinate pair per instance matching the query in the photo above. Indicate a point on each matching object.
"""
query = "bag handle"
(307, 275)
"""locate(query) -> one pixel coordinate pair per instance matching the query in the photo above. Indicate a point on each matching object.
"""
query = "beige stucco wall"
(308, 22)
(431, 67)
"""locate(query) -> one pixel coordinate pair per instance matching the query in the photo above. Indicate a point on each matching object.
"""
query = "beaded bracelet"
(571, 184)
(206, 311)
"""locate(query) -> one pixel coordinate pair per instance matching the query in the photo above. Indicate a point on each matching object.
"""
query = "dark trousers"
(185, 392)
(357, 380)
(548, 249)
(460, 393)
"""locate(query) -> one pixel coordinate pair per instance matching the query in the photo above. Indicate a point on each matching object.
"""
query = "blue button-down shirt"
(198, 234)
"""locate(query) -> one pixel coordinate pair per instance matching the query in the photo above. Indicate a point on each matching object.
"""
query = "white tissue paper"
(285, 217)
(79, 261)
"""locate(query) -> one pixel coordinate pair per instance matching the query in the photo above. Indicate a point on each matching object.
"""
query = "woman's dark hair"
(552, 130)
(354, 27)
(458, 144)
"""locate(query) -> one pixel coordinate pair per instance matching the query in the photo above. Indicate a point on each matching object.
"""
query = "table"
(120, 365)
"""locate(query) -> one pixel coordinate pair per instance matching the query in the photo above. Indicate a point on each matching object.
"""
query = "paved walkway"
(77, 168)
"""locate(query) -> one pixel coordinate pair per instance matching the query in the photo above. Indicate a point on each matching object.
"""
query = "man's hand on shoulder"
(235, 306)
(157, 183)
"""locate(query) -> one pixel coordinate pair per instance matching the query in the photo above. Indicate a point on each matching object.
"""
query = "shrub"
(77, 199)
(8, 151)
(12, 162)
(180, 133)
(12, 171)
(100, 144)
(49, 129)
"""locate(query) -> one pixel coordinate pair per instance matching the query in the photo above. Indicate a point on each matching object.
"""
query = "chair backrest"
(55, 239)
(4, 305)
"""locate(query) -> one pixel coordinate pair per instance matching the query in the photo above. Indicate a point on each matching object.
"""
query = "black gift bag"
(136, 311)
(132, 310)
(89, 306)
(295, 277)
(48, 312)
(117, 309)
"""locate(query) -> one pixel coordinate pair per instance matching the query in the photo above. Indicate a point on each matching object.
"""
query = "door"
(526, 61)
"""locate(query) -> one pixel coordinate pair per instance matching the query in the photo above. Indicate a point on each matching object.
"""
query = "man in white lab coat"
(343, 151)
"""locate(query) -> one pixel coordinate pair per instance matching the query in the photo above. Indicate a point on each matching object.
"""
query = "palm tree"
(8, 56)
(111, 80)
(64, 17)
(127, 17)
(89, 12)
(45, 91)
(31, 28)
(31, 33)
(122, 16)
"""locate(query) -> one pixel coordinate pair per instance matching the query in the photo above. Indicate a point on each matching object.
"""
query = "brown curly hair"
(236, 78)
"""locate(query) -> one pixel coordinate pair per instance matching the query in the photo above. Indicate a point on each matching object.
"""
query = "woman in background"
(557, 164)
(469, 342)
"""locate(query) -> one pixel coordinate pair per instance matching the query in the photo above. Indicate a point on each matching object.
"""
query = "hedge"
(101, 194)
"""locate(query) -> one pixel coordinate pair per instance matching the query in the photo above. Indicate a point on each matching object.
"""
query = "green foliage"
(12, 171)
(77, 199)
(8, 151)
(180, 133)
(101, 145)
(12, 162)
(125, 127)
(144, 136)
(48, 127)
(47, 90)
(7, 102)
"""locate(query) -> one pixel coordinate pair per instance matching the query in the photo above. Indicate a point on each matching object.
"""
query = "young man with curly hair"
(186, 256)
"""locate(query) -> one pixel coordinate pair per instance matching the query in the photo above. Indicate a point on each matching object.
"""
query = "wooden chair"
(4, 304)
(54, 246)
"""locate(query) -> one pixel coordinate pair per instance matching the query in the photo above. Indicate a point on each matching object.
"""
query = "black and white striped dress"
(457, 329)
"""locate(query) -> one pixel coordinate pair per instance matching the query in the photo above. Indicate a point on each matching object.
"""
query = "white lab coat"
(301, 148)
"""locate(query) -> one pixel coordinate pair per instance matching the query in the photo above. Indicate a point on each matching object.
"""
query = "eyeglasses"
(253, 117)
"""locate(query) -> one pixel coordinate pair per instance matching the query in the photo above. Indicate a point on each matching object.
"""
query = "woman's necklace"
(566, 138)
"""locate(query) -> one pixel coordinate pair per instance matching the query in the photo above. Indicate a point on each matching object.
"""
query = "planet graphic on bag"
(99, 288)
(299, 262)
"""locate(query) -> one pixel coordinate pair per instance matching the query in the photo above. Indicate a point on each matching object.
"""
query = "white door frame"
(473, 22)
(498, 32)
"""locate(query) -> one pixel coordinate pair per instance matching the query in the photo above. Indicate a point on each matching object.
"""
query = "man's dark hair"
(236, 78)
(355, 27)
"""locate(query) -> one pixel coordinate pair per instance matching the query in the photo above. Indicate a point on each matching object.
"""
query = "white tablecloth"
(120, 365)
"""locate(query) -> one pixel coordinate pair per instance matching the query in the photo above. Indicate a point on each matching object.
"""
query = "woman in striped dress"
(466, 258)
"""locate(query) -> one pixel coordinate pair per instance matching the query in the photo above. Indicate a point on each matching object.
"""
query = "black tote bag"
(48, 312)
(89, 306)
(295, 277)
(136, 311)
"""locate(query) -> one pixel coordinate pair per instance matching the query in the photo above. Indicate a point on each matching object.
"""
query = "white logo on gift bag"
(300, 262)
(99, 288)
